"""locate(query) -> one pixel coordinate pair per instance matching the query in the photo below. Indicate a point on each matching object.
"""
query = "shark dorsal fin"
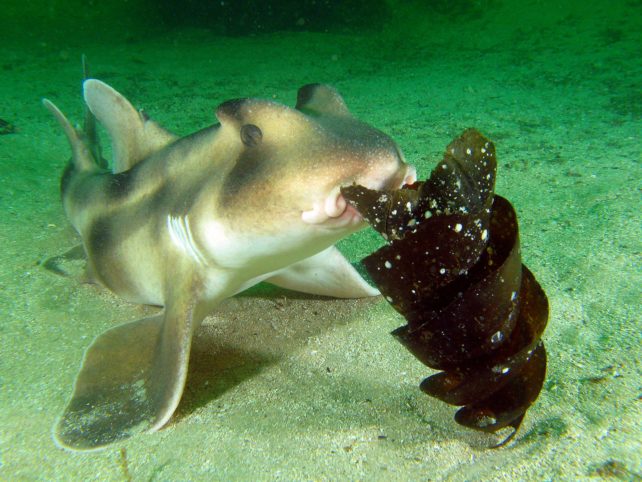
(133, 135)
(320, 99)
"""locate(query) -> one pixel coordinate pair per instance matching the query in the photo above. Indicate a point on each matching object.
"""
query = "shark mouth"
(335, 211)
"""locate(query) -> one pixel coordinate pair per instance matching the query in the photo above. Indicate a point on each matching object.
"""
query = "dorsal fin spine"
(89, 125)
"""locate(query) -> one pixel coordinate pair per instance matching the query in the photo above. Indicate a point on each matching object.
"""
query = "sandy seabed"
(284, 386)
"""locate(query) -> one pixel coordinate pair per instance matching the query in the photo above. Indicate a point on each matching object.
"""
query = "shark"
(185, 222)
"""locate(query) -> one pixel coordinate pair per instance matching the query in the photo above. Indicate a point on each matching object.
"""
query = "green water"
(297, 388)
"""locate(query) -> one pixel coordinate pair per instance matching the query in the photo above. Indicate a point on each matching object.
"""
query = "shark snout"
(402, 175)
(407, 175)
(335, 210)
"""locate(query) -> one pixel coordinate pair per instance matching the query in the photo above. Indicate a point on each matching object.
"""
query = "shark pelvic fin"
(327, 273)
(55, 264)
(133, 135)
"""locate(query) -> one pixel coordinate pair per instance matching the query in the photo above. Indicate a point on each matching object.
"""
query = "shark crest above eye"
(184, 223)
(230, 110)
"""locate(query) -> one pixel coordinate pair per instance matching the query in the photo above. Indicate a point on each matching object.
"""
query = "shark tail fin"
(85, 145)
(82, 157)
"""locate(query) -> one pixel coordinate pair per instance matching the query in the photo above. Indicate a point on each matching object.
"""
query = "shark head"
(289, 165)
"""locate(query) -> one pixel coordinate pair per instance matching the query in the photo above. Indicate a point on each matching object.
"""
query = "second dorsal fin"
(321, 99)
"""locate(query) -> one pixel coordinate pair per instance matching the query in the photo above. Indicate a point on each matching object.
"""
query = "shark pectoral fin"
(134, 136)
(327, 273)
(130, 381)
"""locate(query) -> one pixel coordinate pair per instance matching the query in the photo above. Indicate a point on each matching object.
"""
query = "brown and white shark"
(185, 222)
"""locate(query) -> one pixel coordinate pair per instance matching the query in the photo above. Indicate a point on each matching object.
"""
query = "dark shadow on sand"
(252, 331)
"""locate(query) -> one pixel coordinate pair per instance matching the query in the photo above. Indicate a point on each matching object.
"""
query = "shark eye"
(251, 135)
